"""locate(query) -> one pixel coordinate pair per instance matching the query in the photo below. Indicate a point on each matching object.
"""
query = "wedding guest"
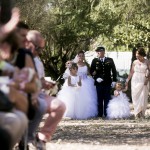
(54, 107)
(10, 25)
(10, 52)
(22, 61)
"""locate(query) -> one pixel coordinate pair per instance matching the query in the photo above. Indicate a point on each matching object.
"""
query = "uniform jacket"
(105, 70)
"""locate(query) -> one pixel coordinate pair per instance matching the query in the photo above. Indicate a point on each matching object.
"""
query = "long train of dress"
(81, 102)
(118, 107)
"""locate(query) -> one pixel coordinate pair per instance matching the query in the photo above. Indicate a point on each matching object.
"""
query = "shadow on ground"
(105, 132)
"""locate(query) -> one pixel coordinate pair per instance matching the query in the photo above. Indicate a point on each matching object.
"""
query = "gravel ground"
(100, 134)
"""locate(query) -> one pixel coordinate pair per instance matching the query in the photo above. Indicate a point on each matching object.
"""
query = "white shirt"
(102, 59)
(40, 67)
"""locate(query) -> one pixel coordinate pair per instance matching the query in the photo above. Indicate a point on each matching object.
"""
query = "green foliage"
(73, 25)
(134, 25)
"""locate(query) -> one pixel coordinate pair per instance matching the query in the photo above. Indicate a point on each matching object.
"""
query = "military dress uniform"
(105, 69)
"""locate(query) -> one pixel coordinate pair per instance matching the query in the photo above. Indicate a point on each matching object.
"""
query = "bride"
(88, 99)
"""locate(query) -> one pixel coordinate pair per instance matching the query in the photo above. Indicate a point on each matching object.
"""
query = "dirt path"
(95, 134)
(98, 134)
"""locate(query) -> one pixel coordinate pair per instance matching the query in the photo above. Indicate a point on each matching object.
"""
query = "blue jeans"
(103, 95)
(34, 124)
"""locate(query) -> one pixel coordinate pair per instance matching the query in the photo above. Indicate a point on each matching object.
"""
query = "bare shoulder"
(135, 62)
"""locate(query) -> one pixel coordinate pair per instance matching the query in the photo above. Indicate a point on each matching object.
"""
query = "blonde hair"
(34, 36)
(119, 84)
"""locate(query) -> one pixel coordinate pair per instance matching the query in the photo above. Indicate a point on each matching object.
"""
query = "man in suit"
(104, 73)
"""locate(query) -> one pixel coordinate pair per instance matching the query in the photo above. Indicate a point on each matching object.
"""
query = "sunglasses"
(37, 48)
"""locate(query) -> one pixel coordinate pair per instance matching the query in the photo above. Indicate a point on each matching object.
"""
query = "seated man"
(55, 107)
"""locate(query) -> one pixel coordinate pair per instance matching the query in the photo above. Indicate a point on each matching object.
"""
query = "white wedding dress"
(81, 102)
(118, 107)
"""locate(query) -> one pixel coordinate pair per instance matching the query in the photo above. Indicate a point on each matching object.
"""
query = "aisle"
(98, 134)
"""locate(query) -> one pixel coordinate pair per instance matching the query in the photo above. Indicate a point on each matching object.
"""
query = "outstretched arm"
(11, 24)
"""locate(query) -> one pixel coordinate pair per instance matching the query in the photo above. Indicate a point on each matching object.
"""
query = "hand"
(116, 93)
(35, 103)
(126, 88)
(48, 85)
(99, 80)
(14, 85)
(126, 84)
(113, 84)
(11, 24)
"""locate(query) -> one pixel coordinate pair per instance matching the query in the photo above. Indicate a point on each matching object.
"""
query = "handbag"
(5, 104)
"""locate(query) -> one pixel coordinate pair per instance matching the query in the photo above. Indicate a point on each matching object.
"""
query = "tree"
(71, 26)
(134, 23)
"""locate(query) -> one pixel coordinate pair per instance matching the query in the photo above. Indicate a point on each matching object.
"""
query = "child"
(118, 107)
(89, 99)
(70, 94)
(67, 71)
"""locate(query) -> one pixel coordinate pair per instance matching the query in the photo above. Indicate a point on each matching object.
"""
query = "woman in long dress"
(88, 95)
(139, 83)
(87, 85)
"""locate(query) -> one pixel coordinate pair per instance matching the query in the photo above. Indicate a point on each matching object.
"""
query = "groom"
(104, 73)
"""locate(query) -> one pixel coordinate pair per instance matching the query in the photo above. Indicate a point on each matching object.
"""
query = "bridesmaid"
(139, 83)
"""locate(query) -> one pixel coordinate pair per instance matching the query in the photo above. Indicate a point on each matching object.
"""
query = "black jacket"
(105, 70)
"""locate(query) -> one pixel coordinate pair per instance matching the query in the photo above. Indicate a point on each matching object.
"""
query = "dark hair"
(73, 66)
(100, 48)
(141, 51)
(80, 52)
(22, 25)
(13, 40)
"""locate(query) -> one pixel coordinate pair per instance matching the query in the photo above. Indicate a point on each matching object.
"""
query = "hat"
(99, 49)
